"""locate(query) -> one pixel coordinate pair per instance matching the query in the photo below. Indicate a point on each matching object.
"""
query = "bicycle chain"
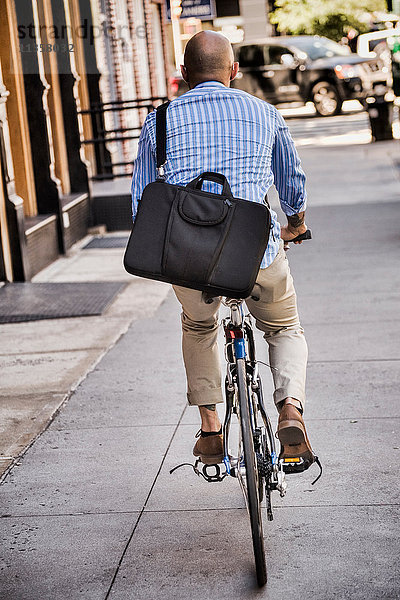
(263, 465)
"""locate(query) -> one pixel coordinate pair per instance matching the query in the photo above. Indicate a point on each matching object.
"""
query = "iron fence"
(116, 130)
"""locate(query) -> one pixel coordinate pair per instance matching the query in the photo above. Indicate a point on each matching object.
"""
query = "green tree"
(332, 18)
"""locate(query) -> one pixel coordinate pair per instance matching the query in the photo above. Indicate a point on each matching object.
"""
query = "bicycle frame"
(256, 466)
(240, 345)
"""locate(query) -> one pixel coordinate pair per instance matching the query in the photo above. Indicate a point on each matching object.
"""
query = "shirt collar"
(216, 84)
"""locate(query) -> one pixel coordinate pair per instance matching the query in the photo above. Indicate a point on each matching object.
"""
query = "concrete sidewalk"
(43, 361)
(91, 511)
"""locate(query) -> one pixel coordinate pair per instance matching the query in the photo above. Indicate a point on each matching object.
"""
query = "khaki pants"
(276, 315)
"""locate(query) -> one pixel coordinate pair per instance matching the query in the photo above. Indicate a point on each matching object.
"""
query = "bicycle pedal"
(294, 464)
(299, 465)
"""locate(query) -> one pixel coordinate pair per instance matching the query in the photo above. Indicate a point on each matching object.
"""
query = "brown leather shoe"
(293, 436)
(209, 449)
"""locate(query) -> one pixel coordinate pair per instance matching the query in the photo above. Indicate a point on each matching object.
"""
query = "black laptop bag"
(196, 239)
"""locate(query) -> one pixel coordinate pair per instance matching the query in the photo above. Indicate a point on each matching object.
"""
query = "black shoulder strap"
(161, 133)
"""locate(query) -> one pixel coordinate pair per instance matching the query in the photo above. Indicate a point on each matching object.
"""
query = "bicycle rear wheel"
(250, 463)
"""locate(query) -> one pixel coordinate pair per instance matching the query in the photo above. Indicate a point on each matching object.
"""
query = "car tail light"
(174, 85)
(347, 71)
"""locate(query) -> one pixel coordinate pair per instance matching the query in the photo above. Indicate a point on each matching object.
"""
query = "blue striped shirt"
(225, 130)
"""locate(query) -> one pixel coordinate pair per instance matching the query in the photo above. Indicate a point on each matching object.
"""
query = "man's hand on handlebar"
(295, 227)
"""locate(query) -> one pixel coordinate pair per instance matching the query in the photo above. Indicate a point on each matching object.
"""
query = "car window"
(251, 56)
(273, 54)
(319, 47)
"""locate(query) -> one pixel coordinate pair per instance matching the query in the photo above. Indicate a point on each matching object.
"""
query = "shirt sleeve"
(289, 177)
(144, 168)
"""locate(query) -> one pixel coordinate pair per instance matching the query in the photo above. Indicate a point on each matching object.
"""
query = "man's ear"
(184, 73)
(235, 69)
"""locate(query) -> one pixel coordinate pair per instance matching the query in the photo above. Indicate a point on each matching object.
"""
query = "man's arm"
(289, 181)
(144, 168)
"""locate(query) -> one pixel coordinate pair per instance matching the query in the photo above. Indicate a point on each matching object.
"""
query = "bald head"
(208, 57)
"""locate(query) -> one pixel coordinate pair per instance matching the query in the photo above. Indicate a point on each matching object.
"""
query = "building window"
(227, 8)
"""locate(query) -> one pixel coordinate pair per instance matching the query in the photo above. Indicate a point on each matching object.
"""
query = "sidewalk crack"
(144, 507)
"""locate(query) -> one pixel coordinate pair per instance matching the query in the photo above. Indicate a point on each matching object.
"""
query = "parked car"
(300, 69)
(306, 68)
(367, 43)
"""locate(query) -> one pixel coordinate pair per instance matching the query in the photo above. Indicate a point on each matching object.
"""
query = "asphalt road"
(92, 511)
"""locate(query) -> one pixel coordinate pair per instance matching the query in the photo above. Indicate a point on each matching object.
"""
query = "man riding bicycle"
(215, 128)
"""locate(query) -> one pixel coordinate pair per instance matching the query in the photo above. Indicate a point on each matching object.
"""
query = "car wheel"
(326, 99)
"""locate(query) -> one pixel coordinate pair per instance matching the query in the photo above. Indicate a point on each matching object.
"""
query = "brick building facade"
(58, 59)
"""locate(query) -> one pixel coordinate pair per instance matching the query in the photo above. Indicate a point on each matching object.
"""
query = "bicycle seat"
(208, 298)
(256, 293)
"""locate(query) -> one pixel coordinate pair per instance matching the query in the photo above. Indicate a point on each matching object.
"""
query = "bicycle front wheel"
(250, 464)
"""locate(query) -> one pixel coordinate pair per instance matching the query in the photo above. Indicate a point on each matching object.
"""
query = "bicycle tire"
(253, 501)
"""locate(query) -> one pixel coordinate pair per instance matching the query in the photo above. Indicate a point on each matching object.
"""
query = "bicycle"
(256, 463)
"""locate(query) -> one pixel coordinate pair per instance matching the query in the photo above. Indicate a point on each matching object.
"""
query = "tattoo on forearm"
(296, 220)
(210, 406)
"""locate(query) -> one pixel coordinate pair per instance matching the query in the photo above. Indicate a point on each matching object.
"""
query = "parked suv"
(306, 68)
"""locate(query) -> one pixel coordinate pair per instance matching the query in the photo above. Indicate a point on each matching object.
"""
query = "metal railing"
(116, 128)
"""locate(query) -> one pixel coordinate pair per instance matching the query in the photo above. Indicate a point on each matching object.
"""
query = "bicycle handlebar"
(300, 238)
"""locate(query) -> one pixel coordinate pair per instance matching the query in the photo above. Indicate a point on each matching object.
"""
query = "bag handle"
(211, 176)
(161, 137)
(161, 155)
